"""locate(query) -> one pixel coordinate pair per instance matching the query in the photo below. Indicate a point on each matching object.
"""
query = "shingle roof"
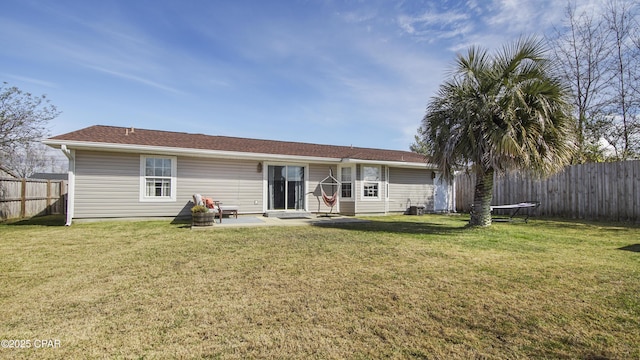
(128, 136)
(49, 176)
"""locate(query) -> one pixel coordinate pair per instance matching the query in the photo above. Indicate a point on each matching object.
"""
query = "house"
(117, 172)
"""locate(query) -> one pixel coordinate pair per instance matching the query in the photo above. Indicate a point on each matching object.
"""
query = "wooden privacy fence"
(20, 198)
(595, 191)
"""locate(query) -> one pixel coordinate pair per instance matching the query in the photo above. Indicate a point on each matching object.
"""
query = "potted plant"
(201, 216)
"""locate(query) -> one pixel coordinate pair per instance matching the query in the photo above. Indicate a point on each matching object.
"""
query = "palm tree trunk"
(481, 211)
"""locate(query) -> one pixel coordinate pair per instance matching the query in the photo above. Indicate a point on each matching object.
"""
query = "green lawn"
(399, 287)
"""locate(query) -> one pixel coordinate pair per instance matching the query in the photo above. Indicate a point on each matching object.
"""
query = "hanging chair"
(332, 200)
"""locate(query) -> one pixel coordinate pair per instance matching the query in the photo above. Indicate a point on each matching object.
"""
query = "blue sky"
(332, 72)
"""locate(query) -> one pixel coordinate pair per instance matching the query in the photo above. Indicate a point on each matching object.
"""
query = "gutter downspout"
(71, 187)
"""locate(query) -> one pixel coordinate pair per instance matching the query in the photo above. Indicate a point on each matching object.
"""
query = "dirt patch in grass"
(399, 287)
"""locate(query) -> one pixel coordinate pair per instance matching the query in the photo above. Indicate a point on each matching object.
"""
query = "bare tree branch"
(23, 120)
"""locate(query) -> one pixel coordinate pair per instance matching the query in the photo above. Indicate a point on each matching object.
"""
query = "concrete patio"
(258, 220)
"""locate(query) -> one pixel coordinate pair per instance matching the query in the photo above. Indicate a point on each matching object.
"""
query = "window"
(346, 180)
(157, 178)
(371, 182)
(370, 190)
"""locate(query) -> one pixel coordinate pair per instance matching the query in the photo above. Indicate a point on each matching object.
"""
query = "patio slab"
(249, 221)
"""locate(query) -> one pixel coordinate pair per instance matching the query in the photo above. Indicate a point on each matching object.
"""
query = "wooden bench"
(227, 209)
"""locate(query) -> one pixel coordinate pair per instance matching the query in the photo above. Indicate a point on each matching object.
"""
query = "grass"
(399, 287)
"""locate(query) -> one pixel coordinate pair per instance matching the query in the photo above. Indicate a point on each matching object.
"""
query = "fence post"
(23, 198)
(48, 210)
(63, 197)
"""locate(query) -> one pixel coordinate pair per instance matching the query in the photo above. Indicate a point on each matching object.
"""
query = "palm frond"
(502, 112)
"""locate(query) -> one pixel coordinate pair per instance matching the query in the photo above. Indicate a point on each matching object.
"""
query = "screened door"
(286, 187)
(440, 193)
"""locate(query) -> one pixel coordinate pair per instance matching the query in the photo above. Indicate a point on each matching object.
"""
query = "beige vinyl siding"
(410, 187)
(108, 185)
(370, 206)
(232, 182)
(348, 208)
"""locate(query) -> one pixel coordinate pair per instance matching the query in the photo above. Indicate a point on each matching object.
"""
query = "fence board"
(627, 193)
(598, 206)
(29, 197)
(606, 191)
(636, 189)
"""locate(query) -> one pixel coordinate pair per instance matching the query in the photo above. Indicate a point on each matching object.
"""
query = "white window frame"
(386, 182)
(352, 182)
(365, 182)
(172, 178)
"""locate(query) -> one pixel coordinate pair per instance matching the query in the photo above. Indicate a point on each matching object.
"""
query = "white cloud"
(433, 22)
(518, 17)
(136, 79)
(358, 16)
(30, 80)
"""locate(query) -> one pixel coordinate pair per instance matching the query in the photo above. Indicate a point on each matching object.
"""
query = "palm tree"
(497, 113)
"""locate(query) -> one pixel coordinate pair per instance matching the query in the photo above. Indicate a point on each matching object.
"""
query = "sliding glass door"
(286, 187)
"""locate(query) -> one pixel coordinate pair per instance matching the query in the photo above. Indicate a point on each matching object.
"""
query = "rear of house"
(120, 172)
